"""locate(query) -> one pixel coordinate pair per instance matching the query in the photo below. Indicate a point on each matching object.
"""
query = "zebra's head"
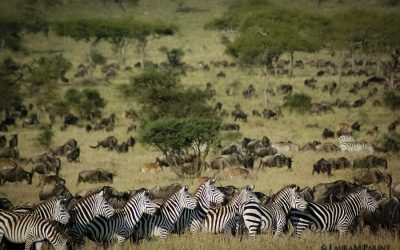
(147, 205)
(61, 213)
(102, 207)
(247, 195)
(367, 201)
(185, 199)
(213, 194)
(296, 201)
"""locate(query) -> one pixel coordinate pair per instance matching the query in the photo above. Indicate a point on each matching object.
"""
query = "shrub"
(300, 103)
(392, 141)
(45, 136)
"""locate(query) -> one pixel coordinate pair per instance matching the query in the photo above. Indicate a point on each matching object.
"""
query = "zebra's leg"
(29, 241)
(38, 245)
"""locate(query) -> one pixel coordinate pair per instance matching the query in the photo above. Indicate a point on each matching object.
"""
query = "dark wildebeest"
(221, 74)
(239, 114)
(269, 113)
(13, 143)
(310, 146)
(95, 176)
(15, 174)
(122, 148)
(230, 149)
(110, 142)
(132, 127)
(12, 153)
(54, 190)
(230, 126)
(340, 163)
(386, 216)
(164, 192)
(70, 119)
(218, 106)
(5, 204)
(229, 192)
(327, 147)
(250, 145)
(322, 166)
(131, 141)
(3, 141)
(370, 161)
(43, 168)
(356, 126)
(332, 192)
(264, 151)
(219, 163)
(328, 133)
(373, 177)
(73, 156)
(278, 160)
(307, 194)
(43, 158)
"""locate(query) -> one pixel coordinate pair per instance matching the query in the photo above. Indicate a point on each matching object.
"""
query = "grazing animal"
(95, 176)
(223, 219)
(13, 143)
(278, 160)
(237, 172)
(30, 229)
(370, 161)
(15, 174)
(110, 143)
(273, 216)
(284, 147)
(372, 177)
(328, 133)
(322, 166)
(54, 190)
(162, 225)
(121, 226)
(194, 219)
(338, 216)
(152, 168)
(327, 147)
(348, 143)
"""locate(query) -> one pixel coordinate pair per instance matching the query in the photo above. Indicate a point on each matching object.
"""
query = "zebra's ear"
(212, 181)
(250, 188)
(186, 188)
(146, 193)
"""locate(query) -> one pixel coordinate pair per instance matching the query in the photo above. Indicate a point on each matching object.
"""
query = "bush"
(392, 142)
(98, 58)
(85, 102)
(391, 100)
(300, 103)
(45, 136)
(174, 57)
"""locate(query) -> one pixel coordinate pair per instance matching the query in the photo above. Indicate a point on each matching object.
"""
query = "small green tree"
(300, 103)
(85, 102)
(45, 136)
(174, 57)
(10, 89)
(10, 33)
(391, 100)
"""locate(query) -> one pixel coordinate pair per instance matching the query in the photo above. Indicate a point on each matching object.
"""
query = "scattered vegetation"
(300, 103)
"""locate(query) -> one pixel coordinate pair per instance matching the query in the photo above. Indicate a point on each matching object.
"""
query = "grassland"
(200, 45)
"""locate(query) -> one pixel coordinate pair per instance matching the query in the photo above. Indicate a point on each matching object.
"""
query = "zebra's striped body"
(84, 211)
(30, 228)
(162, 225)
(332, 216)
(53, 209)
(259, 218)
(194, 218)
(122, 224)
(223, 219)
(350, 144)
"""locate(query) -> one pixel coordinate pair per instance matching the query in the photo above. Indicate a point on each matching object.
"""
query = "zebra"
(337, 216)
(122, 224)
(85, 210)
(273, 216)
(346, 138)
(52, 209)
(194, 218)
(223, 219)
(31, 229)
(284, 147)
(349, 143)
(162, 225)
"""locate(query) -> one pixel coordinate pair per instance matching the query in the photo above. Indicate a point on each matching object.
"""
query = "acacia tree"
(10, 89)
(266, 31)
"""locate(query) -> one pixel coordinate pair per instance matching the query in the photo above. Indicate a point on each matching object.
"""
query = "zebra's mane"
(354, 193)
(281, 191)
(200, 188)
(167, 201)
(85, 198)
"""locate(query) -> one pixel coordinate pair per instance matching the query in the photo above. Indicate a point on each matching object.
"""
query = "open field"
(202, 45)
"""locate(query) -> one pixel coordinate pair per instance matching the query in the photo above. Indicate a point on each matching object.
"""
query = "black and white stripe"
(193, 219)
(346, 138)
(332, 216)
(350, 144)
(285, 147)
(122, 224)
(162, 225)
(85, 210)
(52, 209)
(273, 216)
(223, 219)
(29, 229)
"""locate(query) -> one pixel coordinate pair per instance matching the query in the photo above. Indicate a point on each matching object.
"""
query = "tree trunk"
(378, 66)
(365, 63)
(340, 65)
(291, 63)
(91, 63)
(391, 80)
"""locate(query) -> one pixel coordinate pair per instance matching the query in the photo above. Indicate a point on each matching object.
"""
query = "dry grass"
(201, 45)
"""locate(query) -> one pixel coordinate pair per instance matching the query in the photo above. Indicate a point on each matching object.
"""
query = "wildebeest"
(269, 113)
(372, 177)
(239, 114)
(233, 148)
(339, 163)
(332, 192)
(237, 172)
(221, 74)
(31, 120)
(219, 163)
(122, 148)
(43, 168)
(327, 147)
(278, 160)
(230, 126)
(132, 127)
(110, 143)
(318, 108)
(3, 141)
(13, 143)
(131, 141)
(15, 174)
(54, 190)
(5, 204)
(250, 145)
(286, 89)
(370, 161)
(95, 176)
(328, 133)
(70, 119)
(264, 151)
(356, 126)
(307, 194)
(164, 192)
(322, 166)
(310, 146)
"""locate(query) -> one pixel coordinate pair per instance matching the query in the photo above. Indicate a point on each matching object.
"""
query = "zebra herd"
(65, 226)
